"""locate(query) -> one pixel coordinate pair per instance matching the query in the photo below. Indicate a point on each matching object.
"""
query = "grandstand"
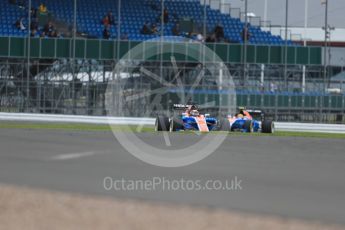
(134, 13)
(70, 74)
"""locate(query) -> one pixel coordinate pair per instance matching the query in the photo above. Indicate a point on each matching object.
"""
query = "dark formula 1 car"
(186, 117)
(247, 121)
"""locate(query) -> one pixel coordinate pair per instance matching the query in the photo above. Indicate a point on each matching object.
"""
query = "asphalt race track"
(285, 176)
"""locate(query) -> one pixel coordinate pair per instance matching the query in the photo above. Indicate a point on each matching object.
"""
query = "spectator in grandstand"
(43, 34)
(176, 30)
(106, 32)
(211, 38)
(34, 24)
(146, 29)
(245, 32)
(154, 28)
(48, 28)
(189, 35)
(262, 87)
(200, 38)
(42, 8)
(106, 21)
(33, 33)
(273, 87)
(208, 39)
(219, 32)
(54, 34)
(165, 16)
(111, 18)
(19, 24)
(33, 12)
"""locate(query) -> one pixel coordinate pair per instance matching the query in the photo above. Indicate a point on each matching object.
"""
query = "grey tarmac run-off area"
(292, 177)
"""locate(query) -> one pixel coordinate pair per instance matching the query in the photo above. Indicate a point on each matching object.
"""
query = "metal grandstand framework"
(79, 87)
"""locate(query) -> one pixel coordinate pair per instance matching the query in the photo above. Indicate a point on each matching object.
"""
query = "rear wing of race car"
(178, 109)
(181, 106)
(206, 110)
(254, 111)
(256, 114)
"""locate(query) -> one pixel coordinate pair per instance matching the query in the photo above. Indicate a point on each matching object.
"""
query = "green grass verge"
(62, 126)
(72, 126)
(95, 127)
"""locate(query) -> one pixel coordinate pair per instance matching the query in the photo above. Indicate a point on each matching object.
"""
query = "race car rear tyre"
(248, 126)
(268, 127)
(175, 124)
(162, 123)
(224, 125)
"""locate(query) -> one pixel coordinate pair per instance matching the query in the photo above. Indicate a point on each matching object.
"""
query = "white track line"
(69, 156)
(166, 138)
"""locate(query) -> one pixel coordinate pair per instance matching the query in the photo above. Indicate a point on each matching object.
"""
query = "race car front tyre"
(224, 125)
(248, 126)
(268, 127)
(162, 123)
(176, 124)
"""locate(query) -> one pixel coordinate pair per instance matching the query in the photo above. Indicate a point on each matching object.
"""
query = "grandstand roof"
(311, 34)
(276, 8)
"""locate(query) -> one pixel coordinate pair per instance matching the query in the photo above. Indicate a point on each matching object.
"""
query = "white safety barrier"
(76, 119)
(308, 127)
(280, 126)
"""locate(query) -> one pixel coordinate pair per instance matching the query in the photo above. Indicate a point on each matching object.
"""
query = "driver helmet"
(193, 107)
(194, 113)
(241, 110)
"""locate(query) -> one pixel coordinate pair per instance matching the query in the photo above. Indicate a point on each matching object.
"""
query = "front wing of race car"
(200, 123)
(246, 125)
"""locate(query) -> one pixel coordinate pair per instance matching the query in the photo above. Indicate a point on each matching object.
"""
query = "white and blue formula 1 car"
(186, 117)
(248, 121)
